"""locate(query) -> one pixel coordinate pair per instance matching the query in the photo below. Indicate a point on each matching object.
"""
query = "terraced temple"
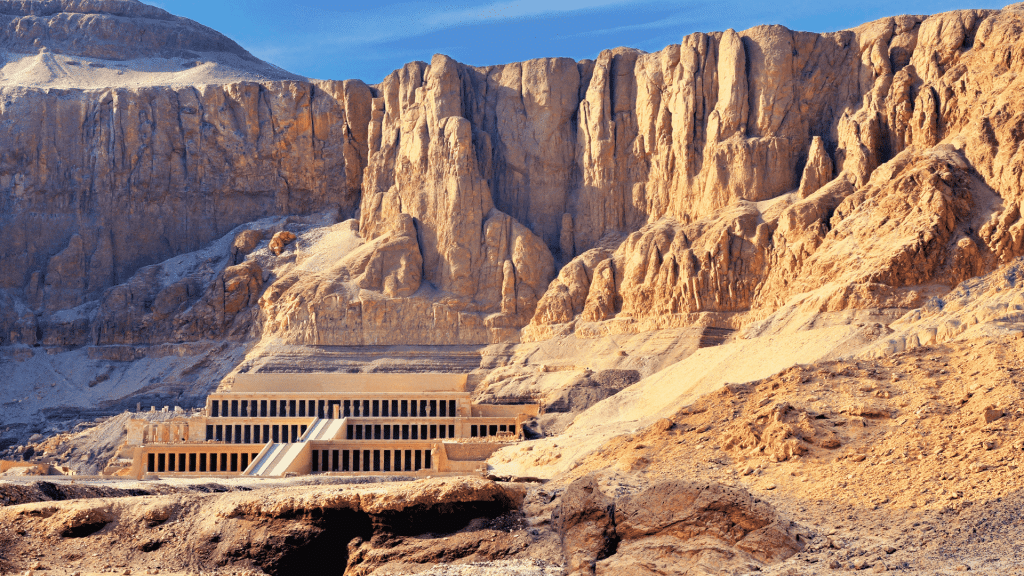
(277, 424)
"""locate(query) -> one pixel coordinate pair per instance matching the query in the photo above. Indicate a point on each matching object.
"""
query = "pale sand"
(665, 392)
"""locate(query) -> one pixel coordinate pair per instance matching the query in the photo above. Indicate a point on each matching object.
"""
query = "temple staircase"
(278, 458)
(324, 429)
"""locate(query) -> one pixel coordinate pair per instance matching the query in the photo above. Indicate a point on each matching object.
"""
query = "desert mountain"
(765, 184)
(767, 285)
(117, 43)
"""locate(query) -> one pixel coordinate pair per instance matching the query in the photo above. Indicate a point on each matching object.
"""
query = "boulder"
(280, 240)
(244, 243)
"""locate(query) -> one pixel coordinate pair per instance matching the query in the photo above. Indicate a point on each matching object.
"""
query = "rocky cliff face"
(713, 182)
(747, 169)
(98, 184)
(913, 121)
(483, 270)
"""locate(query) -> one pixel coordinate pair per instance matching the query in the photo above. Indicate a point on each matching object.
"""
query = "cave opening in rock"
(83, 530)
(442, 518)
(323, 547)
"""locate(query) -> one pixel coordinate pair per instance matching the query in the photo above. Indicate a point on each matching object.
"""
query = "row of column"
(476, 431)
(255, 433)
(399, 431)
(396, 408)
(198, 462)
(371, 460)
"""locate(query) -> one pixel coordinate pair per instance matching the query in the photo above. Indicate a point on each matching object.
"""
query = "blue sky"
(368, 39)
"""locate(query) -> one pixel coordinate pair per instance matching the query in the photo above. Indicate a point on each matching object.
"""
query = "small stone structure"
(277, 424)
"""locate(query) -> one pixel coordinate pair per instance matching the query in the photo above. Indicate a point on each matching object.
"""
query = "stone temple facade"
(369, 424)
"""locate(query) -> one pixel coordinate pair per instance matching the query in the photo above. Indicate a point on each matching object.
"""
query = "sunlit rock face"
(725, 175)
(862, 169)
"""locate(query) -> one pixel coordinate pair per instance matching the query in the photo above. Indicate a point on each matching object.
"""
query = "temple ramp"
(324, 429)
(278, 459)
(261, 463)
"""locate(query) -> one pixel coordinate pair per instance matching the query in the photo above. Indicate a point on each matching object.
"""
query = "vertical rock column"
(427, 165)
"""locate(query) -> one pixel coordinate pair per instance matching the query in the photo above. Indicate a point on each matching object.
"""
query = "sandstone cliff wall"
(714, 181)
(914, 121)
(575, 150)
(98, 184)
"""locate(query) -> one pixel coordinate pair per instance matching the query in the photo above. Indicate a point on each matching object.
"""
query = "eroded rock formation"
(715, 182)
(96, 193)
(288, 531)
(915, 129)
(99, 183)
(671, 527)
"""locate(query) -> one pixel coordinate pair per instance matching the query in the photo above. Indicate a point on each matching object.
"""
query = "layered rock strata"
(99, 184)
(99, 28)
(713, 182)
(288, 530)
(917, 134)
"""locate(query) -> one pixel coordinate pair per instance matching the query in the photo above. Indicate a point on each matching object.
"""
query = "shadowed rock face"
(742, 169)
(99, 184)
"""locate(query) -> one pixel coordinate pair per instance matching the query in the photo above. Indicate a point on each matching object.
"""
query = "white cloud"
(410, 19)
(676, 20)
(695, 15)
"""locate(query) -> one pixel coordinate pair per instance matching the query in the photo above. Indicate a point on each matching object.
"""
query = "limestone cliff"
(100, 28)
(914, 121)
(98, 183)
(484, 271)
(714, 182)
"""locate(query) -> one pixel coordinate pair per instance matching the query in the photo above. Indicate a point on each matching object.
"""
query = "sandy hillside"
(907, 463)
(65, 71)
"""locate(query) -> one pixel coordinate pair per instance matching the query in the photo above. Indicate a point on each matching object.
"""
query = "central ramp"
(324, 429)
(277, 459)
